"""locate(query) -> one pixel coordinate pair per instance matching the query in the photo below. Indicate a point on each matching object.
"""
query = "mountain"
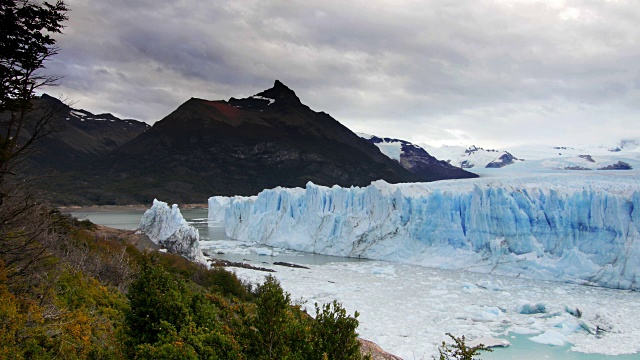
(472, 157)
(416, 159)
(624, 155)
(78, 138)
(237, 147)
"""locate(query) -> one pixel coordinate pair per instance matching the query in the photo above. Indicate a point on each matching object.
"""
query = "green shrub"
(459, 350)
(334, 333)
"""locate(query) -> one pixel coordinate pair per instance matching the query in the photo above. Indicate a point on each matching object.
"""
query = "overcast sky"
(458, 72)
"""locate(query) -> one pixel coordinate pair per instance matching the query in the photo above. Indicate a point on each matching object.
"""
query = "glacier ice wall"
(165, 225)
(218, 206)
(558, 228)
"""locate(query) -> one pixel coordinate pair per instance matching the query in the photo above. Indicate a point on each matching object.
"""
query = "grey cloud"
(447, 70)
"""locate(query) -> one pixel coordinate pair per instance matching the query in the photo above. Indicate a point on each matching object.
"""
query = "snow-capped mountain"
(535, 158)
(473, 157)
(416, 159)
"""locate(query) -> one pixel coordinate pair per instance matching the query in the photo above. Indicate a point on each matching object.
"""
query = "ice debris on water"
(528, 308)
(551, 337)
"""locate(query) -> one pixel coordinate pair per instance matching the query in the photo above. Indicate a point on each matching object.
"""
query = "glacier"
(217, 209)
(165, 226)
(563, 228)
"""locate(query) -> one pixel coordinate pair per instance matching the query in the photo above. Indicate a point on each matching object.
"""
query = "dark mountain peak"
(280, 93)
(46, 96)
(277, 97)
(50, 100)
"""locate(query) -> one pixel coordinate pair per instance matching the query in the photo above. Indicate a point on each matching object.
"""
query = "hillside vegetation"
(74, 294)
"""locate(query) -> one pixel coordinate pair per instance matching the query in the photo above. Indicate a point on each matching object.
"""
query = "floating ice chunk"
(487, 284)
(487, 314)
(588, 326)
(489, 342)
(389, 271)
(551, 337)
(470, 288)
(573, 311)
(264, 251)
(568, 326)
(604, 323)
(166, 226)
(528, 309)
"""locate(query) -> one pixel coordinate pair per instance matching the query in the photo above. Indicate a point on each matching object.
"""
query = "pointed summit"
(281, 94)
(278, 97)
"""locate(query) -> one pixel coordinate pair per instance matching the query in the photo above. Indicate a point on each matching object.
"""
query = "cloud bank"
(492, 73)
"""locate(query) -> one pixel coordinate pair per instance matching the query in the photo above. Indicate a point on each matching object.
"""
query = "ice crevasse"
(553, 228)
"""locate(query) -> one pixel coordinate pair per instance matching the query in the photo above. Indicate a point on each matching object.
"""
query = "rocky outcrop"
(417, 160)
(370, 348)
(620, 165)
(504, 160)
(587, 157)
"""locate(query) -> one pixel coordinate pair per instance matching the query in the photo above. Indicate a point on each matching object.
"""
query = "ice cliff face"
(562, 228)
(165, 225)
(218, 206)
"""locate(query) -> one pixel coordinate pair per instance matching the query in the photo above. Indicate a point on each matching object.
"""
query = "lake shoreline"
(99, 208)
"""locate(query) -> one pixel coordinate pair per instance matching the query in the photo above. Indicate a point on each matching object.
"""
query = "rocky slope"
(238, 147)
(78, 137)
(417, 160)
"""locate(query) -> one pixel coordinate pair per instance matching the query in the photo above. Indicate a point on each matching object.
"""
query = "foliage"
(26, 42)
(82, 321)
(334, 333)
(459, 350)
(67, 293)
(157, 300)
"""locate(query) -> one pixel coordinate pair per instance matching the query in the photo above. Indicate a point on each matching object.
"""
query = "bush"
(334, 333)
(156, 298)
(460, 350)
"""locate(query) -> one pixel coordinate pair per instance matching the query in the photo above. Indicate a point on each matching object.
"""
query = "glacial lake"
(407, 309)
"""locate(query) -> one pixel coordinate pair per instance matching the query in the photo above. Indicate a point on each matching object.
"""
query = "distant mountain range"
(206, 148)
(531, 158)
(80, 136)
(415, 158)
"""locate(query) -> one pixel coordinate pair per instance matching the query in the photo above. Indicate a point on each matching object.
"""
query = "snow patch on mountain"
(271, 101)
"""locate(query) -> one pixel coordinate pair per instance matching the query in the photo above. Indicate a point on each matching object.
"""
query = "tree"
(159, 303)
(272, 315)
(26, 42)
(335, 335)
(460, 350)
